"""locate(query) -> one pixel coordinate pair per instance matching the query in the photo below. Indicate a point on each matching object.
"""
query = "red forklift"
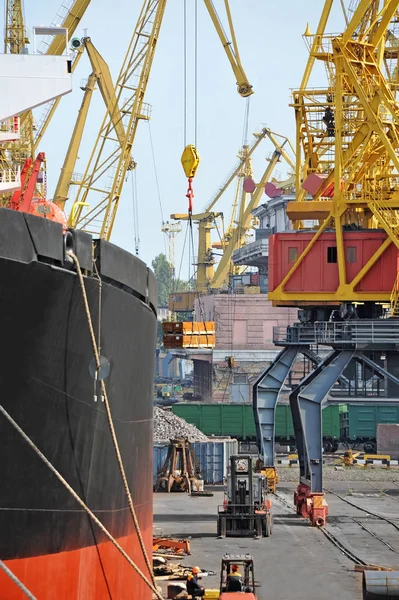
(244, 585)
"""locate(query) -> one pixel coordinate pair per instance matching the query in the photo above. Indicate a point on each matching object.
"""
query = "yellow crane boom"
(102, 77)
(238, 233)
(243, 86)
(70, 19)
(110, 160)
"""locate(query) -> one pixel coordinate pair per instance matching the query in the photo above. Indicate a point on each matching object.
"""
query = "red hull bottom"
(78, 574)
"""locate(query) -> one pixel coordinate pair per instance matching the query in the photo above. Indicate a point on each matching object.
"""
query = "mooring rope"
(17, 581)
(109, 416)
(79, 500)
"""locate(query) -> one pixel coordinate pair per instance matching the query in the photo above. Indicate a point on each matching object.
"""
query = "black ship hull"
(47, 385)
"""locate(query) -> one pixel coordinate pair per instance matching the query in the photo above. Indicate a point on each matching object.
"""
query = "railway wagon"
(237, 420)
(359, 423)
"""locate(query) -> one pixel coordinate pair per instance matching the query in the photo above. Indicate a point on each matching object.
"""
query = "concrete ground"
(297, 561)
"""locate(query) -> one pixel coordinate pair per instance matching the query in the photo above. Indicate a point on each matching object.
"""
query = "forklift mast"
(241, 480)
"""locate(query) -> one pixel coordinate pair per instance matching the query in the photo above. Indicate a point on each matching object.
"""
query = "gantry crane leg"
(306, 407)
(266, 391)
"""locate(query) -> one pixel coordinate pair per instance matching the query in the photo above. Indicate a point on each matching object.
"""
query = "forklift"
(246, 510)
(245, 565)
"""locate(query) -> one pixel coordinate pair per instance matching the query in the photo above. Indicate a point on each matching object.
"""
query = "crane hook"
(190, 196)
(190, 160)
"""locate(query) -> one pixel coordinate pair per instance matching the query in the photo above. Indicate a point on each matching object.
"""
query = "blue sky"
(273, 54)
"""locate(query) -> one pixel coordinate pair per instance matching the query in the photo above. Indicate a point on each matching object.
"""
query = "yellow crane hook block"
(190, 160)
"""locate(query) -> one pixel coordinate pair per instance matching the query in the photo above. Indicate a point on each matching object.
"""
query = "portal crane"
(245, 174)
(109, 162)
(351, 174)
(237, 234)
(343, 272)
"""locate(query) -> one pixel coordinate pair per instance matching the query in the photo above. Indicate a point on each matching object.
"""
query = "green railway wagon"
(359, 425)
(284, 428)
(332, 416)
(237, 420)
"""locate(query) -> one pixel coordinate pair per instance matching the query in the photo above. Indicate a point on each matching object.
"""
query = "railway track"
(328, 532)
(365, 510)
(383, 491)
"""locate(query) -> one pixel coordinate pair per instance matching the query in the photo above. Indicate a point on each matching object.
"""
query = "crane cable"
(154, 164)
(135, 207)
(246, 122)
(190, 158)
(176, 281)
(184, 73)
(195, 73)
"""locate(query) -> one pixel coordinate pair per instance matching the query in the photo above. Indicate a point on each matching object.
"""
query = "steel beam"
(265, 395)
(306, 408)
(331, 400)
(377, 368)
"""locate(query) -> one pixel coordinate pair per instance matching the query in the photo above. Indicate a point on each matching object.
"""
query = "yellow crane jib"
(190, 161)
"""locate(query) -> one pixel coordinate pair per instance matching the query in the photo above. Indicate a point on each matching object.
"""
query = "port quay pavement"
(297, 561)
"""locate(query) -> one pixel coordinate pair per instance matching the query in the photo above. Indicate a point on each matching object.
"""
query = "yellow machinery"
(99, 188)
(347, 138)
(234, 236)
(349, 458)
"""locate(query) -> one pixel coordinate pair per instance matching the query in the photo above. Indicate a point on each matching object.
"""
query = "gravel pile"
(347, 474)
(168, 426)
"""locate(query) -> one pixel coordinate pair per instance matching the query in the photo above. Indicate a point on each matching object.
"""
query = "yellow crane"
(15, 38)
(237, 234)
(246, 172)
(100, 187)
(348, 141)
(233, 237)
